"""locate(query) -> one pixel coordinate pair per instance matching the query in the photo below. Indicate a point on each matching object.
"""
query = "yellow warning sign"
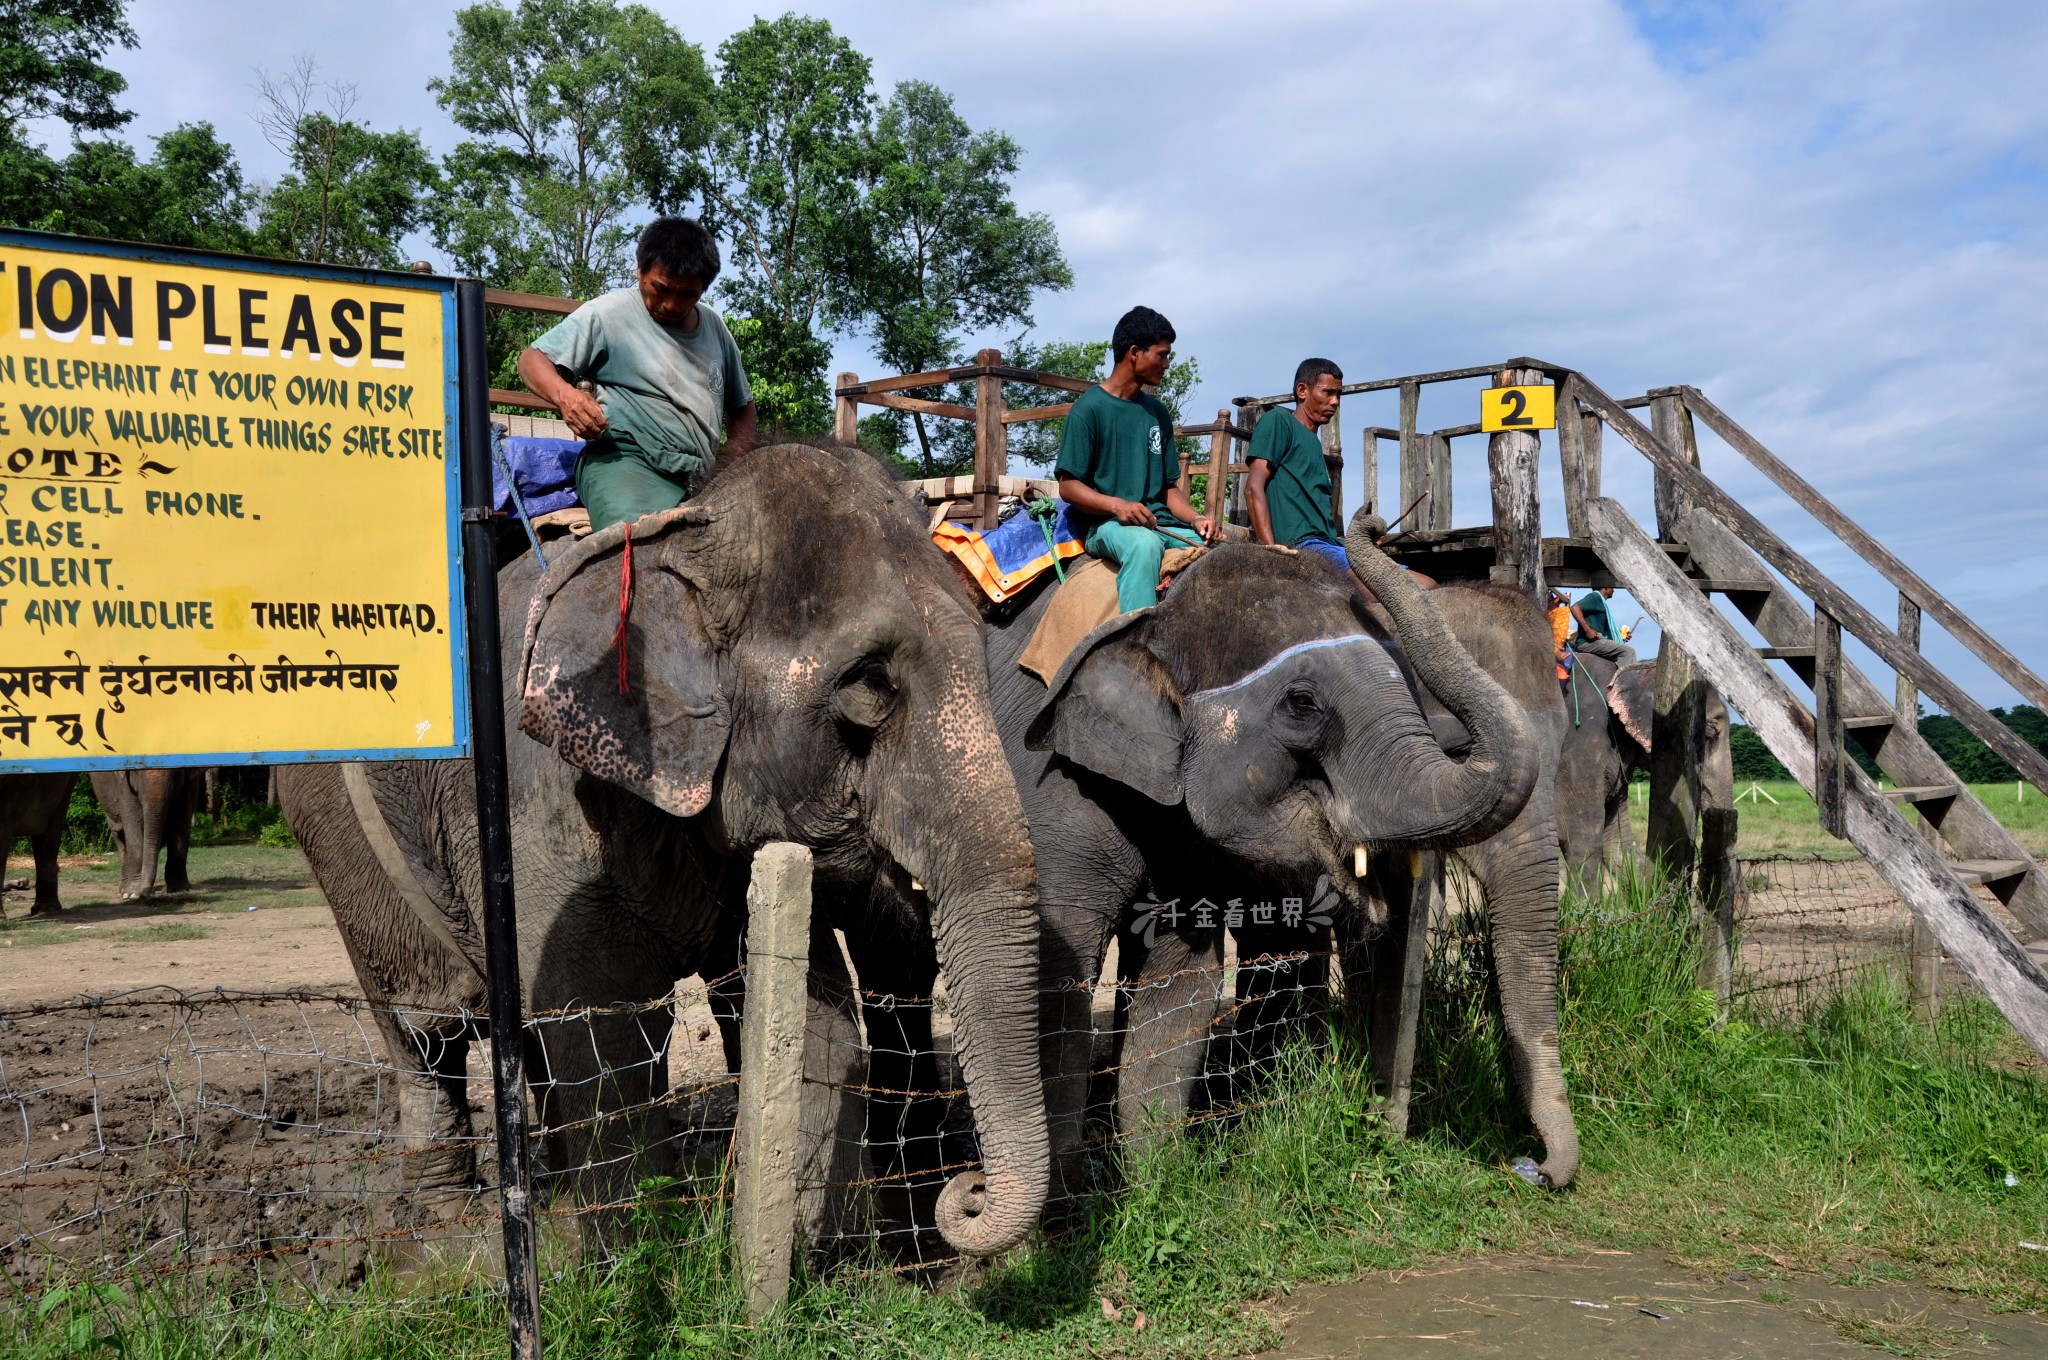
(1518, 408)
(229, 494)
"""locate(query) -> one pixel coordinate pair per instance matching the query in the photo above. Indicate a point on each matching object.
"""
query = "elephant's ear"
(656, 724)
(1631, 694)
(1114, 709)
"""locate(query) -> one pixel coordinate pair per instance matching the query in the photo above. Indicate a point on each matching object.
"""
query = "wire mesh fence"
(311, 1137)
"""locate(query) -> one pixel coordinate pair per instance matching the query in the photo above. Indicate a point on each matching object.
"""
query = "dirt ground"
(255, 921)
(1621, 1304)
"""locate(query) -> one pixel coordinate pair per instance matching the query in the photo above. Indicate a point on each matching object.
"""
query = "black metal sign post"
(494, 826)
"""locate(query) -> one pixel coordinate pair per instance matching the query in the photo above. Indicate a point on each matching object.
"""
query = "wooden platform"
(1468, 555)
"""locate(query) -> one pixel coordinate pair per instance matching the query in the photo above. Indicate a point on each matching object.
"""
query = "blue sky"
(1829, 216)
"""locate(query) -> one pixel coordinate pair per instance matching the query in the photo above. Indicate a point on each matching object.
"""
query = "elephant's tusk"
(1358, 854)
(916, 886)
(1415, 864)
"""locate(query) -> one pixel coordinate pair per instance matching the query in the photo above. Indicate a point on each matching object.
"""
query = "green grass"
(1854, 1145)
(1791, 826)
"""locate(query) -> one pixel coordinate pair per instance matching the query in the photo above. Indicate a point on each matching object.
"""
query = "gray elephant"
(1256, 727)
(791, 662)
(150, 813)
(34, 805)
(1607, 742)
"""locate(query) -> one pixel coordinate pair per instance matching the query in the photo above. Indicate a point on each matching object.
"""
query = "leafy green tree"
(50, 53)
(947, 250)
(780, 181)
(351, 194)
(189, 193)
(580, 104)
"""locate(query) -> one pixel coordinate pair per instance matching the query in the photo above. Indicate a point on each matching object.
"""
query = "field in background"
(1791, 826)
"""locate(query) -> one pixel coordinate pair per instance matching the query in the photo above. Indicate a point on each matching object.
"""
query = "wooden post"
(1720, 879)
(1672, 424)
(1219, 456)
(1369, 473)
(1678, 725)
(1511, 460)
(1398, 1018)
(1923, 957)
(771, 1073)
(1414, 458)
(1333, 455)
(1439, 503)
(1591, 427)
(1571, 455)
(1830, 738)
(846, 412)
(991, 441)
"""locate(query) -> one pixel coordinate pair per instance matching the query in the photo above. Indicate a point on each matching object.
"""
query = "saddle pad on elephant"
(544, 469)
(1084, 601)
(1009, 557)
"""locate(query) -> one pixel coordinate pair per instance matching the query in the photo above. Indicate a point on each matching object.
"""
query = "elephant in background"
(35, 805)
(150, 813)
(1607, 743)
(791, 661)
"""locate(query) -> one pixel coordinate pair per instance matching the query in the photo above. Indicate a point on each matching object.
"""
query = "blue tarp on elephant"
(544, 469)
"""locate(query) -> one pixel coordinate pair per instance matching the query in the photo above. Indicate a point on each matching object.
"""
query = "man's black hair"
(1311, 369)
(1139, 328)
(682, 247)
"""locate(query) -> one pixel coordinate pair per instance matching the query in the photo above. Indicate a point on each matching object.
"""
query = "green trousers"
(1135, 552)
(614, 484)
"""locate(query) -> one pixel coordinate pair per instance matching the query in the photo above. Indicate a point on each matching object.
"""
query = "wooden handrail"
(1419, 379)
(939, 377)
(529, 302)
(525, 401)
(2009, 667)
(1817, 587)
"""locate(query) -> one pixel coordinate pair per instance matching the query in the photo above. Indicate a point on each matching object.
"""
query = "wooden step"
(1869, 720)
(1785, 653)
(1919, 793)
(1988, 870)
(1714, 585)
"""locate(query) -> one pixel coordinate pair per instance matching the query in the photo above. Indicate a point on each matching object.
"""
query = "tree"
(581, 103)
(50, 67)
(780, 181)
(351, 194)
(947, 249)
(189, 193)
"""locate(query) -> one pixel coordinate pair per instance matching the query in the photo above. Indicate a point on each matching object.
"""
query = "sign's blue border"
(458, 620)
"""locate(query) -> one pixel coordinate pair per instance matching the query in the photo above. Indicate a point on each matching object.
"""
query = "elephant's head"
(1632, 698)
(798, 664)
(1262, 695)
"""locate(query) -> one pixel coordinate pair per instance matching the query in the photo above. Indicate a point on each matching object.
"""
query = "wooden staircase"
(1712, 545)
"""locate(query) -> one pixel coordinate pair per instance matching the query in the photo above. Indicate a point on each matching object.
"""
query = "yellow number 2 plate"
(1518, 408)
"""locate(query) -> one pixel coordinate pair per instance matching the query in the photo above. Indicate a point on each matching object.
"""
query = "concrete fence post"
(771, 1072)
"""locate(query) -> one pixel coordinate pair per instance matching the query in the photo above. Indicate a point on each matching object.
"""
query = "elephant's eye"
(1300, 702)
(865, 692)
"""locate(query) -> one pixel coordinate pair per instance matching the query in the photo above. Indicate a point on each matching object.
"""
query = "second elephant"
(150, 813)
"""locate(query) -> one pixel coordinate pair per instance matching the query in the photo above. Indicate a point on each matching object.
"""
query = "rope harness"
(1043, 512)
(625, 607)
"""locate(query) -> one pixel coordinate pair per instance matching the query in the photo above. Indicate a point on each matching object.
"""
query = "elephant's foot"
(46, 908)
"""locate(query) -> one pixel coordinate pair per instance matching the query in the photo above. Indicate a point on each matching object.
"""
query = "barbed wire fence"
(263, 1139)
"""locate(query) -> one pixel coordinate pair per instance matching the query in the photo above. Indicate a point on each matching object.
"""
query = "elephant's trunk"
(1448, 802)
(953, 819)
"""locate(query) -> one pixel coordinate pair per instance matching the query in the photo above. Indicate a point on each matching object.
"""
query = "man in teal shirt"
(1288, 492)
(1597, 634)
(666, 374)
(1117, 466)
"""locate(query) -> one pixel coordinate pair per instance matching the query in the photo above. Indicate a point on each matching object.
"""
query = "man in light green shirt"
(666, 377)
(1117, 466)
(1288, 492)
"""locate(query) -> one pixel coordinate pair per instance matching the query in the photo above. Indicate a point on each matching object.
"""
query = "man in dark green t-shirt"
(1118, 469)
(667, 376)
(1597, 634)
(1288, 492)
